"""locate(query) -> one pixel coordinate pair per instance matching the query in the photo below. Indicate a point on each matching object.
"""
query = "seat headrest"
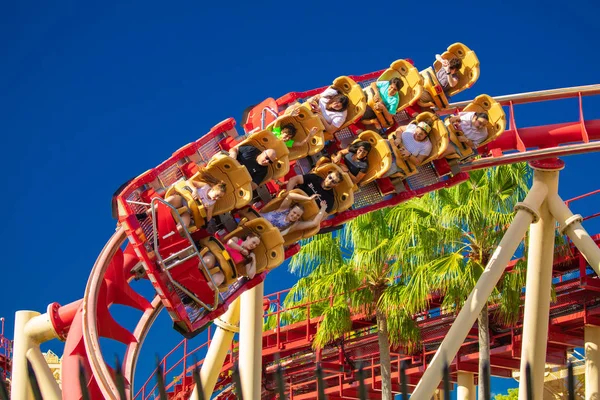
(269, 253)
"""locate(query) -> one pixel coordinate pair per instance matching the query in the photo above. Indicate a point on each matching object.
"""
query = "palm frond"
(336, 321)
(403, 330)
(322, 250)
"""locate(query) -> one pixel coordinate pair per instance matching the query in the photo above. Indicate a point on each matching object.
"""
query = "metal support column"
(539, 285)
(251, 323)
(48, 385)
(526, 214)
(227, 326)
(570, 225)
(20, 386)
(592, 362)
(466, 386)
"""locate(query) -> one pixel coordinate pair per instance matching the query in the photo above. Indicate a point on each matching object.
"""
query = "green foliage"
(356, 262)
(513, 394)
(336, 321)
(454, 235)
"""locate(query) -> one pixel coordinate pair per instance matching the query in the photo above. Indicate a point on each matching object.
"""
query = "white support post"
(31, 329)
(466, 386)
(48, 385)
(526, 214)
(20, 385)
(538, 291)
(227, 326)
(251, 324)
(571, 226)
(592, 362)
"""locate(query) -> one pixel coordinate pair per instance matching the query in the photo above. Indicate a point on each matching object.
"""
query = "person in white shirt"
(331, 107)
(413, 143)
(473, 125)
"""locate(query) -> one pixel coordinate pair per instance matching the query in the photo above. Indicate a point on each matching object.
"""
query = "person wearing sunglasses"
(255, 160)
(473, 125)
(313, 184)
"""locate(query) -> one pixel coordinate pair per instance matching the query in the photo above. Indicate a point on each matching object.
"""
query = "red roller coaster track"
(83, 322)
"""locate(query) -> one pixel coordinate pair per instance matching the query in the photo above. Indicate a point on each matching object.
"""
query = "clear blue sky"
(95, 93)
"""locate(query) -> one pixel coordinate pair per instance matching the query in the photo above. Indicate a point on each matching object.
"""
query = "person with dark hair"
(240, 251)
(313, 184)
(205, 189)
(287, 217)
(256, 161)
(447, 76)
(287, 133)
(331, 107)
(385, 95)
(473, 125)
(354, 160)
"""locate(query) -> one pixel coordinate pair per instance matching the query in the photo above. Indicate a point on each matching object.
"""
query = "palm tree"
(356, 263)
(451, 237)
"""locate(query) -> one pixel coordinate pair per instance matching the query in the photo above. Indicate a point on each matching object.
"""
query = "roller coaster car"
(380, 156)
(269, 253)
(495, 126)
(311, 209)
(409, 93)
(237, 195)
(439, 142)
(303, 122)
(264, 140)
(467, 75)
(344, 192)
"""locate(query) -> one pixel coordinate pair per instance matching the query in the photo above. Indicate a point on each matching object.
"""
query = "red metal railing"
(5, 353)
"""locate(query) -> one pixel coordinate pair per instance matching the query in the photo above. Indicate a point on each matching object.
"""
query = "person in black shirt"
(256, 161)
(354, 160)
(314, 184)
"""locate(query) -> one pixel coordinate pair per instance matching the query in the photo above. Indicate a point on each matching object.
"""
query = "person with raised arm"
(447, 76)
(312, 184)
(287, 217)
(256, 161)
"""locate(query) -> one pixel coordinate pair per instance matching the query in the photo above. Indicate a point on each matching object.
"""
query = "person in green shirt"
(287, 132)
(385, 95)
